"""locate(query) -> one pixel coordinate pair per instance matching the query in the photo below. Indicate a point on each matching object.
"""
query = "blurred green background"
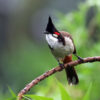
(24, 53)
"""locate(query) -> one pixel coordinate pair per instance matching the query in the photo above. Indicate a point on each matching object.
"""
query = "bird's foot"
(61, 65)
(80, 58)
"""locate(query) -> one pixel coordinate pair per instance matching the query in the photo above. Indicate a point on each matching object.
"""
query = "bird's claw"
(61, 65)
(81, 59)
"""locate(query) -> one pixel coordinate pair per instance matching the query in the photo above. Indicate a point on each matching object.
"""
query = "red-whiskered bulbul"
(62, 47)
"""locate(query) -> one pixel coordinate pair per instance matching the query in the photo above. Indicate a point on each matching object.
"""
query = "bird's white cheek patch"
(51, 40)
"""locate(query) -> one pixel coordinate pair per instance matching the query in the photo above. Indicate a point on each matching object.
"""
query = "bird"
(62, 47)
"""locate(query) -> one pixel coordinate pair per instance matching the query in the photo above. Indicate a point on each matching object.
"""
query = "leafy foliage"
(35, 97)
(87, 95)
(63, 92)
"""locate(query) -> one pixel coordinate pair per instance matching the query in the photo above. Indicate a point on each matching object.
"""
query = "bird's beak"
(45, 32)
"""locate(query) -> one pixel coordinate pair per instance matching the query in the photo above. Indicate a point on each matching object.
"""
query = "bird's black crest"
(50, 26)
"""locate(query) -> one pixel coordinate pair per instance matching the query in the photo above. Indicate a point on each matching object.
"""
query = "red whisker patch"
(57, 33)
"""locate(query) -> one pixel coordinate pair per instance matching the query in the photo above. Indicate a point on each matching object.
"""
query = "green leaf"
(35, 97)
(12, 93)
(13, 98)
(87, 95)
(64, 93)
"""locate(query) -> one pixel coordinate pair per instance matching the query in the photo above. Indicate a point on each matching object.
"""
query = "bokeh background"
(24, 53)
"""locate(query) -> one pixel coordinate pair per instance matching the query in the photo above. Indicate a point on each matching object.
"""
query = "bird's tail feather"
(70, 72)
(71, 75)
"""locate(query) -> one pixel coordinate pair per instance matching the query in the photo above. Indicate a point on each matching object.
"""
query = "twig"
(54, 70)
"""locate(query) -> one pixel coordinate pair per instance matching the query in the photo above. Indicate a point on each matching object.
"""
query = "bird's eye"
(55, 35)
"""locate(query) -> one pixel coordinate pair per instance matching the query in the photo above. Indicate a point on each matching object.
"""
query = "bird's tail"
(70, 72)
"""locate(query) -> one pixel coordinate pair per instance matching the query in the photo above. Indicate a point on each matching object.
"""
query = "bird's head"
(51, 29)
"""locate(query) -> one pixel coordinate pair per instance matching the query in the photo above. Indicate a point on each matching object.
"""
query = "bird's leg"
(81, 59)
(60, 62)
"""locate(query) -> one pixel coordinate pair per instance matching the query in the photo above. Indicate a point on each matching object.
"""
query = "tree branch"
(54, 70)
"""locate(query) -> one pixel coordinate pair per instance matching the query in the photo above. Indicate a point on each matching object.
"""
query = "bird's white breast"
(59, 48)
